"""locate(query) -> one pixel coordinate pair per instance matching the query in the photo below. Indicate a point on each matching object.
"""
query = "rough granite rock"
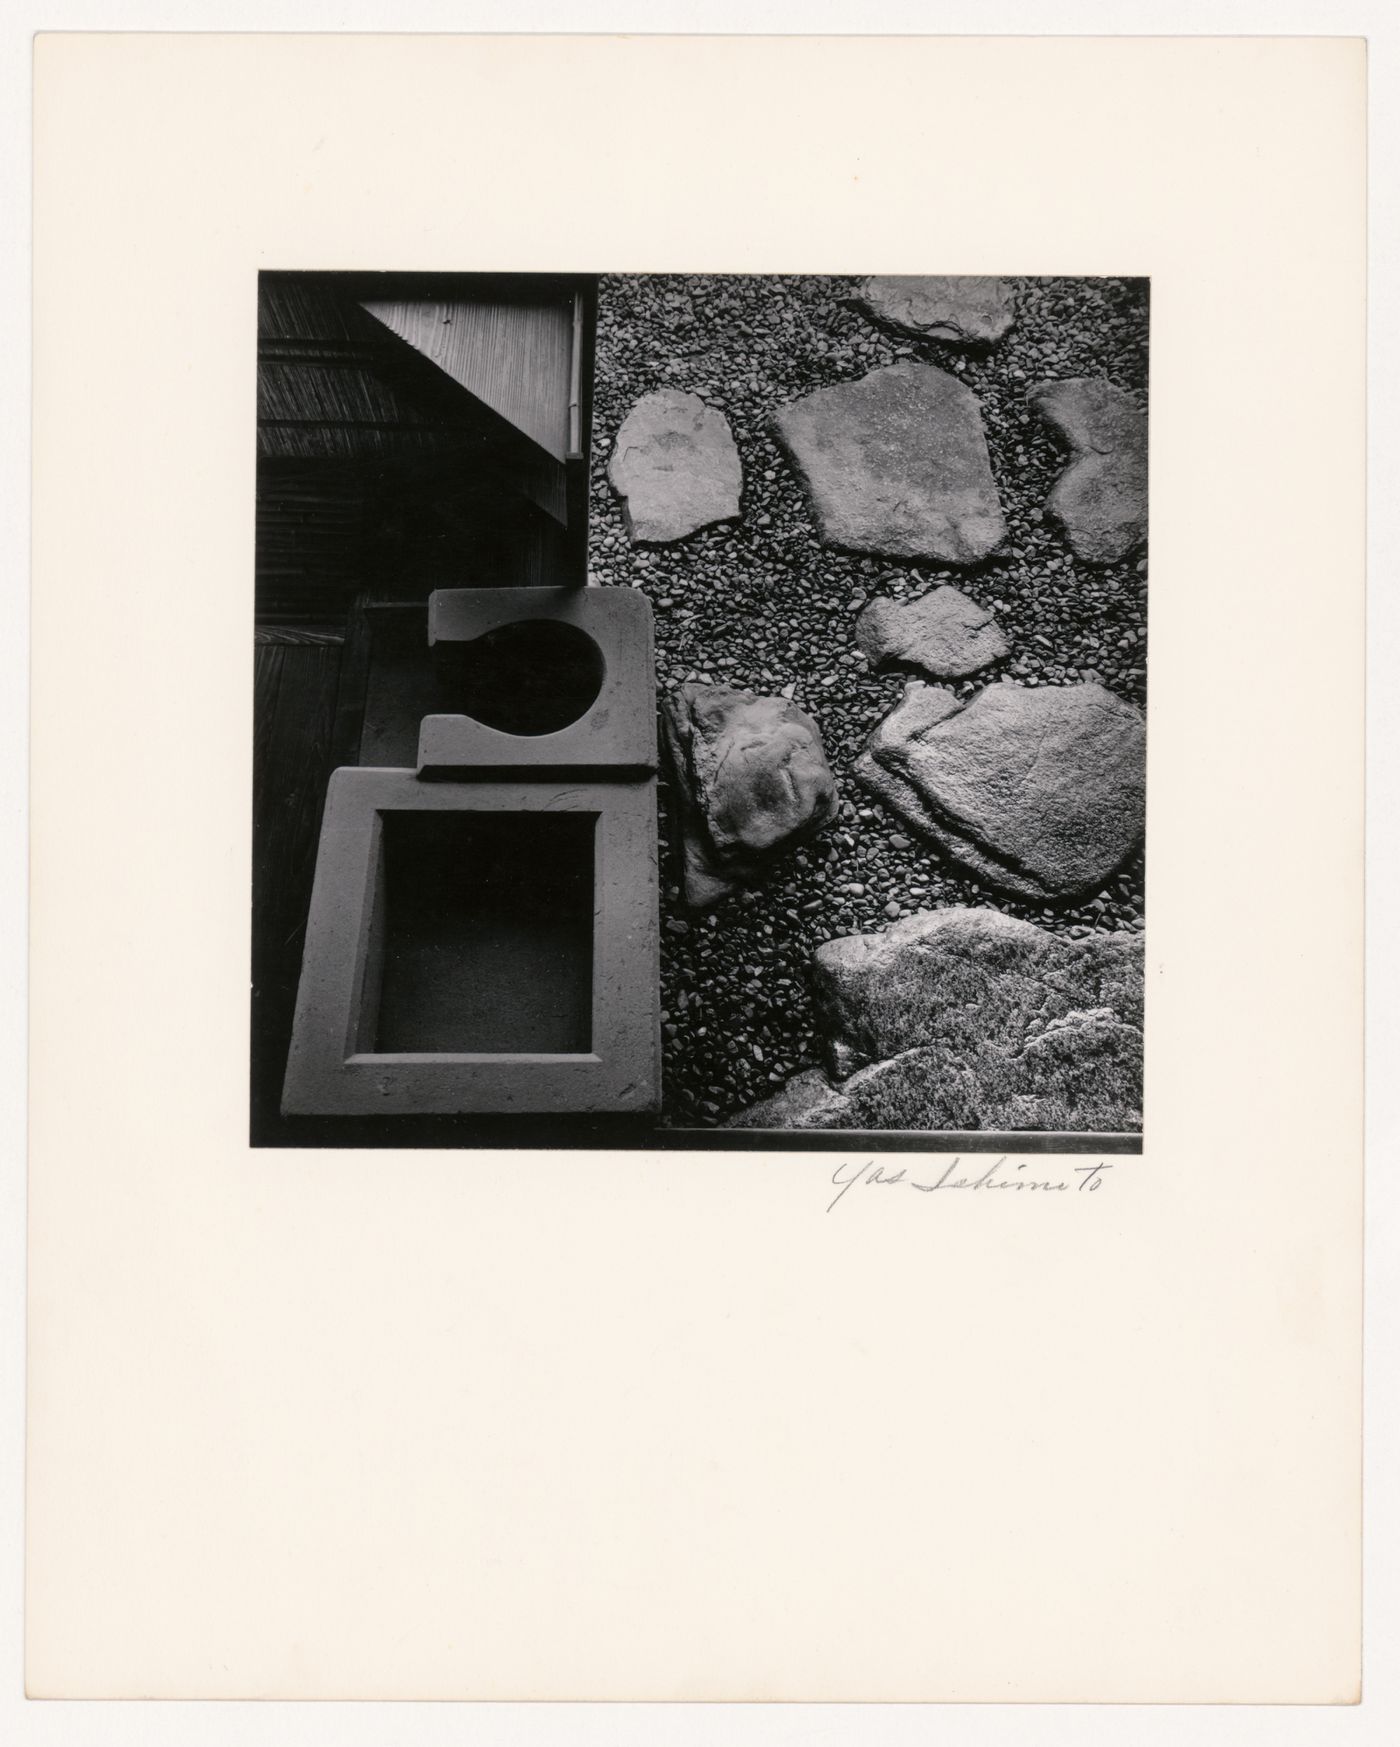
(675, 466)
(944, 633)
(751, 781)
(1101, 497)
(808, 1100)
(969, 1019)
(968, 309)
(896, 464)
(1037, 790)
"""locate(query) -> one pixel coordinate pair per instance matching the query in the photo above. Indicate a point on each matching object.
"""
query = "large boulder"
(1101, 497)
(1039, 791)
(965, 1019)
(751, 780)
(896, 464)
(675, 466)
(963, 977)
(966, 309)
(944, 633)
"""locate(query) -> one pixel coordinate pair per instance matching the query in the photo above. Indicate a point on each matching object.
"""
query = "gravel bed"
(762, 604)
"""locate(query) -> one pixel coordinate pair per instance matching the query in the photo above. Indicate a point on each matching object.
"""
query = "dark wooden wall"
(378, 481)
(296, 685)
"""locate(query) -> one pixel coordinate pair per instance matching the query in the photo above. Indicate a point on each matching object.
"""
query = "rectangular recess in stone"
(421, 994)
(550, 680)
(488, 933)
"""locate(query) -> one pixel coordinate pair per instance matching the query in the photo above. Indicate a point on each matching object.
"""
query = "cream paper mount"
(324, 1424)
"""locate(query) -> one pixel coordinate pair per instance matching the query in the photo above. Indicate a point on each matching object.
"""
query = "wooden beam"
(514, 357)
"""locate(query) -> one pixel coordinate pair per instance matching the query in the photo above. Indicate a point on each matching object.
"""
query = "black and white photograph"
(599, 747)
(700, 710)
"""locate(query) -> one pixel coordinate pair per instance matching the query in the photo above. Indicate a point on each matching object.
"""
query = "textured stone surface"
(953, 975)
(675, 466)
(1101, 497)
(967, 309)
(896, 464)
(808, 1100)
(766, 606)
(617, 731)
(751, 780)
(333, 1068)
(968, 1019)
(1039, 791)
(944, 633)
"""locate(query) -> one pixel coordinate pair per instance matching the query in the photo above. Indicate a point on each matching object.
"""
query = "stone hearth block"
(562, 679)
(479, 947)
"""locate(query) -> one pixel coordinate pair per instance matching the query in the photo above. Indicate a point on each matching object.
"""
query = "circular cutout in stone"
(533, 676)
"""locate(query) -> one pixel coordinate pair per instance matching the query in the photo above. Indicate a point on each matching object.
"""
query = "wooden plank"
(311, 538)
(576, 443)
(515, 357)
(350, 692)
(327, 381)
(581, 434)
(401, 686)
(294, 699)
(301, 635)
(294, 695)
(576, 524)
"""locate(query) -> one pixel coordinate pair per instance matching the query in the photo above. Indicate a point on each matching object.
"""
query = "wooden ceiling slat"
(515, 357)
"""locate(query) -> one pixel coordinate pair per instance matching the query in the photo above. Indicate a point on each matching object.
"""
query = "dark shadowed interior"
(532, 677)
(488, 934)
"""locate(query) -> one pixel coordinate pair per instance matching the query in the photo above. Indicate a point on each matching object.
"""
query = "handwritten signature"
(999, 1175)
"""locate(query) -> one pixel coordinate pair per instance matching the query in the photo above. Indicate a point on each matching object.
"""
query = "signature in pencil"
(1001, 1174)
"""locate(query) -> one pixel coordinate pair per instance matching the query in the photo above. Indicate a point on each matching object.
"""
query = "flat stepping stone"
(751, 781)
(1101, 497)
(963, 1018)
(1039, 791)
(896, 465)
(966, 309)
(675, 467)
(943, 633)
